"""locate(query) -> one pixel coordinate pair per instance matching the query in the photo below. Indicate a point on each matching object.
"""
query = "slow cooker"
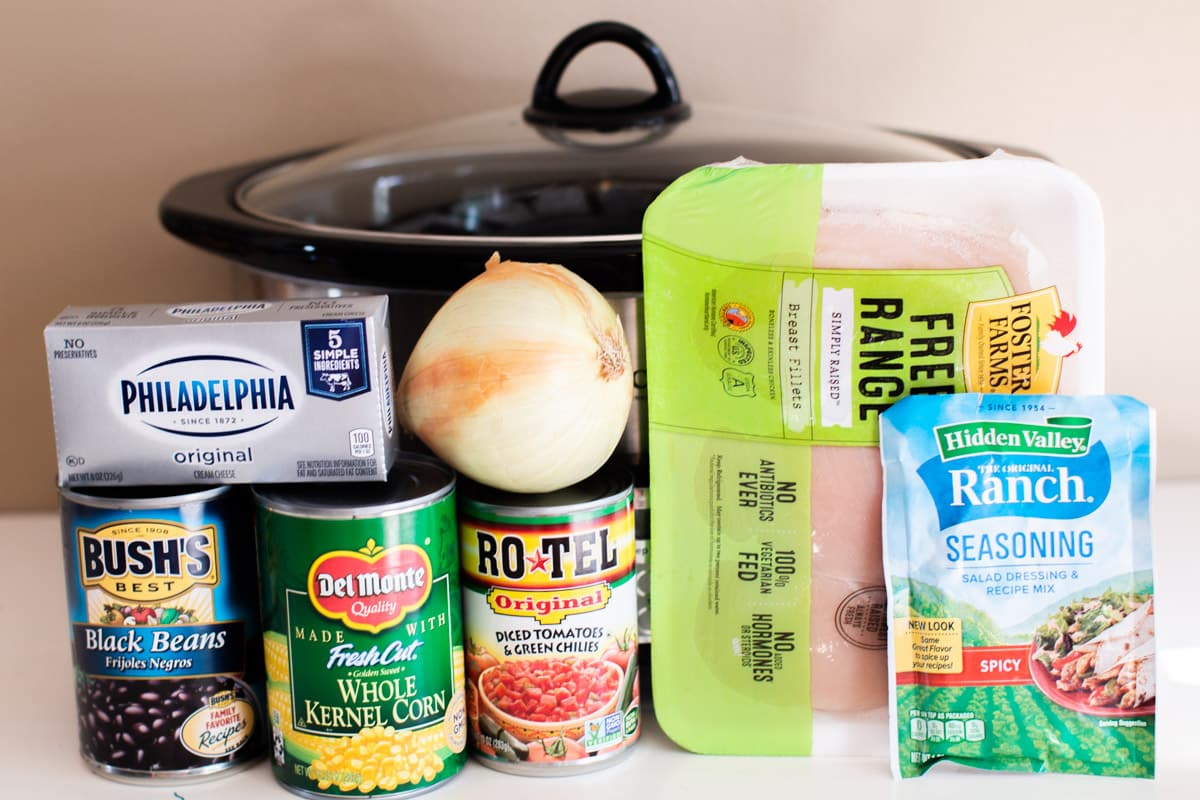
(416, 214)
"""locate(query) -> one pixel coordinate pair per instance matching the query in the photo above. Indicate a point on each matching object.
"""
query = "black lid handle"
(550, 108)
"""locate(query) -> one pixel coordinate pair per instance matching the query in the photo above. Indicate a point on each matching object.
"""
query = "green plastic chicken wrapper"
(786, 307)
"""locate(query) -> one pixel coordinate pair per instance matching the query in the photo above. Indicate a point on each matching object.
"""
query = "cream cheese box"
(263, 392)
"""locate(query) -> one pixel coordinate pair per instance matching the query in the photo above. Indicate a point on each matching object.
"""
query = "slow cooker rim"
(202, 210)
(342, 232)
(240, 200)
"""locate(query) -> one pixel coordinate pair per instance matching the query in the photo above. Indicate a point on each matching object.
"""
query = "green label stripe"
(720, 211)
(1060, 436)
(786, 350)
(748, 437)
(716, 246)
(477, 512)
(731, 613)
(471, 585)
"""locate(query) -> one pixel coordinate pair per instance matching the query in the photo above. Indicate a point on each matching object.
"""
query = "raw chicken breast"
(847, 492)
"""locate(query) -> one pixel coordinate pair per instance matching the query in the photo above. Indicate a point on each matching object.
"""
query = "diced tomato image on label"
(551, 690)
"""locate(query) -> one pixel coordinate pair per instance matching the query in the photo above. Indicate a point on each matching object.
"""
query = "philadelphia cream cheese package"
(265, 392)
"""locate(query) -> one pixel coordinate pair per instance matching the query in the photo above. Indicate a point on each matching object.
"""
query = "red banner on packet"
(1002, 665)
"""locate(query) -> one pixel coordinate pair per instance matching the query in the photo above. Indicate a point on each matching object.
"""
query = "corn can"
(363, 639)
(551, 615)
(163, 603)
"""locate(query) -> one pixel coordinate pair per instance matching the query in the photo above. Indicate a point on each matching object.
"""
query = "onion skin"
(522, 381)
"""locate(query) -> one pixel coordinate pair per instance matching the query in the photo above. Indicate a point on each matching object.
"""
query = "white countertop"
(39, 745)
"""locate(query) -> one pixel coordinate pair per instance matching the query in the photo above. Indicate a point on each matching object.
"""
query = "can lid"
(415, 481)
(136, 498)
(601, 489)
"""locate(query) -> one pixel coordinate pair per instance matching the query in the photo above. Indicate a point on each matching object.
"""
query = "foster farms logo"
(372, 588)
(206, 395)
(1018, 344)
(146, 562)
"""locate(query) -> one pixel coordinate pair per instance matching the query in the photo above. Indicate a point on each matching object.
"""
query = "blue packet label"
(1020, 583)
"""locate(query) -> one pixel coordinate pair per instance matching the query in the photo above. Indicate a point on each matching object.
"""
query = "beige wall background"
(104, 105)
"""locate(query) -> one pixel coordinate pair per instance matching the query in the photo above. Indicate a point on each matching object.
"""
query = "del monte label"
(372, 588)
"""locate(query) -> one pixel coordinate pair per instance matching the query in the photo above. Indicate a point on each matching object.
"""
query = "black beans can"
(162, 596)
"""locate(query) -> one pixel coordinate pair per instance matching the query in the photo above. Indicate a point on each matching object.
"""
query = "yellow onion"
(522, 381)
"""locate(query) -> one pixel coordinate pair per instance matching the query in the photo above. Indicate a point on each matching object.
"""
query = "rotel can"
(361, 606)
(163, 603)
(550, 606)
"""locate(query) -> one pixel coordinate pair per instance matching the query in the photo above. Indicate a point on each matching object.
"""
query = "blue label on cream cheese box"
(334, 358)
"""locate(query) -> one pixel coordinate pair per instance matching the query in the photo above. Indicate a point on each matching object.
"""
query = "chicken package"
(1021, 584)
(786, 306)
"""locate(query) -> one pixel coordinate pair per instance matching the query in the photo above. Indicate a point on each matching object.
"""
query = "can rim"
(169, 497)
(507, 505)
(289, 499)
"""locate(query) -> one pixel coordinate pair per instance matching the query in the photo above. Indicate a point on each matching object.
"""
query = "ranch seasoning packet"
(1020, 583)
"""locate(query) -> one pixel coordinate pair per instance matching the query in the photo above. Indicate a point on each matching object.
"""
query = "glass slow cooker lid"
(571, 168)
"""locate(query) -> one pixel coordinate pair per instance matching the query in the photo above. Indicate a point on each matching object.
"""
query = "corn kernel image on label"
(363, 642)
